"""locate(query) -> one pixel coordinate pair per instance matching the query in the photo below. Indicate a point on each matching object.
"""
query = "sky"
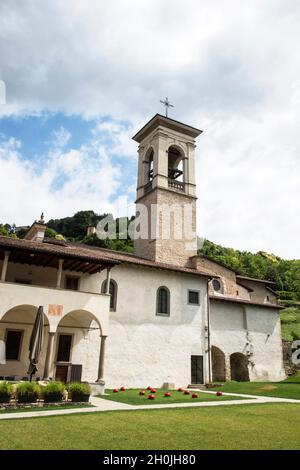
(82, 76)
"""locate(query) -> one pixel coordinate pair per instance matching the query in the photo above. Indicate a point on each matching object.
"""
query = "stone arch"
(239, 367)
(80, 318)
(20, 319)
(22, 312)
(77, 344)
(22, 315)
(218, 365)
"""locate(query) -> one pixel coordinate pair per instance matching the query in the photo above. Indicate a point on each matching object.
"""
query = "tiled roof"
(252, 279)
(89, 253)
(246, 302)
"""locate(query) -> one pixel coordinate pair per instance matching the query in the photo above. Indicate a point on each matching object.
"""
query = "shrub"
(53, 391)
(28, 392)
(79, 391)
(6, 390)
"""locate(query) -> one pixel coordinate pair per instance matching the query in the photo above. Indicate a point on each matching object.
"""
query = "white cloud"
(119, 136)
(230, 67)
(71, 180)
(61, 137)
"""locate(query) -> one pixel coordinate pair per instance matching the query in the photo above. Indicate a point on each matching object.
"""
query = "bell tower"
(166, 192)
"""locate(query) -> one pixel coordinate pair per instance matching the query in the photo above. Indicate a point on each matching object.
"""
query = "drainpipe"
(107, 280)
(208, 334)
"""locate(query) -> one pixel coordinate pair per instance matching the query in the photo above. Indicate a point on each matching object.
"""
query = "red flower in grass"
(195, 395)
(187, 392)
(219, 394)
(123, 389)
(152, 390)
(142, 392)
(167, 394)
(180, 389)
(151, 397)
(149, 387)
(115, 390)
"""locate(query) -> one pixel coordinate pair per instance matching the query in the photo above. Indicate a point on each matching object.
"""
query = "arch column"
(101, 359)
(59, 273)
(2, 347)
(5, 266)
(49, 355)
(227, 367)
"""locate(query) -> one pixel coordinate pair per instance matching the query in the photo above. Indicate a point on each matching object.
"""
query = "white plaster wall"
(253, 331)
(143, 348)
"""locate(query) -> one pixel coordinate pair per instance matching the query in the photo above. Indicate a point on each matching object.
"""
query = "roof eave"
(168, 122)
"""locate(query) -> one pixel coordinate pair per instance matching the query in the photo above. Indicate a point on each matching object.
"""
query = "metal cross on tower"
(167, 104)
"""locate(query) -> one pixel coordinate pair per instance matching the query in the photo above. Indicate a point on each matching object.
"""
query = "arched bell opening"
(148, 161)
(176, 176)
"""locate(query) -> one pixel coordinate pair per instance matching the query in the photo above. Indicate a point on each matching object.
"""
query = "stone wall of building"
(252, 331)
(259, 293)
(289, 366)
(176, 239)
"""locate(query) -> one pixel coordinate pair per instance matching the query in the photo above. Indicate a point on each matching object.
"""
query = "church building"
(162, 315)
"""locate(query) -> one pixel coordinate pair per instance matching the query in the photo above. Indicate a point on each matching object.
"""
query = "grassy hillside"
(290, 323)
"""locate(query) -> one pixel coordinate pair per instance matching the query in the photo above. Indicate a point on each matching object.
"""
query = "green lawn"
(132, 397)
(289, 388)
(264, 426)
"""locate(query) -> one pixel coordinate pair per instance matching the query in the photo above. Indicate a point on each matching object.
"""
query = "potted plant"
(79, 391)
(53, 392)
(6, 390)
(28, 392)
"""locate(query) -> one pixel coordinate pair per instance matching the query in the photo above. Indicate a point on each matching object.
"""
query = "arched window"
(163, 301)
(113, 291)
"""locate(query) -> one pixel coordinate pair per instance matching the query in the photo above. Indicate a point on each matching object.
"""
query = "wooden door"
(197, 369)
(64, 348)
(63, 357)
(61, 373)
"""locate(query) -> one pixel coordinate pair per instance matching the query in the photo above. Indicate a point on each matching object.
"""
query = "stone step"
(199, 386)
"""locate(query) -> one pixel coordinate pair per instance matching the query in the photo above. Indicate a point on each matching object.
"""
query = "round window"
(216, 285)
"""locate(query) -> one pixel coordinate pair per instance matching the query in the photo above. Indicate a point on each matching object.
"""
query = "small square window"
(193, 297)
(72, 283)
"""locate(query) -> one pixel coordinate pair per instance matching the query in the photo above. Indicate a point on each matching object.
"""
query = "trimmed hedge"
(28, 392)
(79, 391)
(53, 392)
(6, 391)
